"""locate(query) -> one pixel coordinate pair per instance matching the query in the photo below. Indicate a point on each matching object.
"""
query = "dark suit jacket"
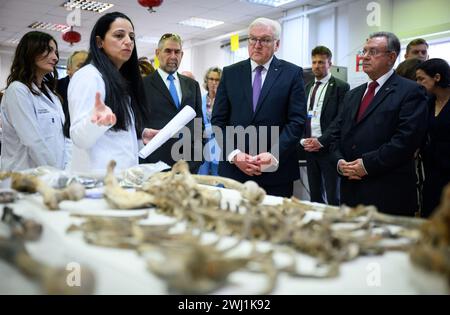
(436, 156)
(282, 104)
(163, 109)
(386, 139)
(332, 103)
(61, 88)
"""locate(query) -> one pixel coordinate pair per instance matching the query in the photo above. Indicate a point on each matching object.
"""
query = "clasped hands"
(311, 144)
(353, 170)
(253, 165)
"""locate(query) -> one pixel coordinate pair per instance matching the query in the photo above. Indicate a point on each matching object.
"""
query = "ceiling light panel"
(148, 39)
(88, 5)
(271, 3)
(12, 41)
(201, 23)
(50, 26)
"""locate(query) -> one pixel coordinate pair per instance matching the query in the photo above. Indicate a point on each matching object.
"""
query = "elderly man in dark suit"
(264, 97)
(381, 127)
(325, 95)
(167, 92)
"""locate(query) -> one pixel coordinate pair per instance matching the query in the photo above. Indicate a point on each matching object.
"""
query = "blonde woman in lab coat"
(32, 115)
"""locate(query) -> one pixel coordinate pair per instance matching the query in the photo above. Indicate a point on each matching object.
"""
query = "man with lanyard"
(325, 95)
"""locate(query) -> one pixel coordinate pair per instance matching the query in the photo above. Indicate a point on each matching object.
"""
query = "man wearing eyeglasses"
(167, 92)
(381, 126)
(266, 94)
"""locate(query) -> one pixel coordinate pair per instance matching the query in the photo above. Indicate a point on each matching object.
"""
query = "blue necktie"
(173, 91)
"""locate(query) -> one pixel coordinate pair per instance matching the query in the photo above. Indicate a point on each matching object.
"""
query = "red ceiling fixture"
(150, 4)
(71, 36)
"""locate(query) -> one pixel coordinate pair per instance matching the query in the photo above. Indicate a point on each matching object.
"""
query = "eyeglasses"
(263, 41)
(213, 79)
(372, 52)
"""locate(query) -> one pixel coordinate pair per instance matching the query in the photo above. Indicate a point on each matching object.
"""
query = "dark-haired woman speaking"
(106, 100)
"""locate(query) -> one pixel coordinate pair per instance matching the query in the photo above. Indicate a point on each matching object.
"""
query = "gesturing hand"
(148, 134)
(102, 114)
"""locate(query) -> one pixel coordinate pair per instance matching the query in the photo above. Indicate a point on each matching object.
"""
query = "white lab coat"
(94, 146)
(32, 129)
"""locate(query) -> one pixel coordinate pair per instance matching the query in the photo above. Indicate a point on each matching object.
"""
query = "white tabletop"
(123, 271)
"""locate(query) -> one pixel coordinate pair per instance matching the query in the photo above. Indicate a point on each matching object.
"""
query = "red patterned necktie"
(367, 99)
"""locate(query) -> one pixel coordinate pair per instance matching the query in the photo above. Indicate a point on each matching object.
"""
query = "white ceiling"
(16, 15)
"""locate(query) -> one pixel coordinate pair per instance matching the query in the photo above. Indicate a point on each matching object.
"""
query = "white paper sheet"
(172, 127)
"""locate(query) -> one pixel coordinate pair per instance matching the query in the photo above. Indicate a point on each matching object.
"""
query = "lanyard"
(324, 87)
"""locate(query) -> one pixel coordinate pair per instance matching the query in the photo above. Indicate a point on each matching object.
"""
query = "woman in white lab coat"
(106, 99)
(32, 115)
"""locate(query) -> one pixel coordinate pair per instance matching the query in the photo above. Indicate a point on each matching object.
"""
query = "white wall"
(322, 30)
(418, 17)
(186, 62)
(341, 56)
(295, 35)
(5, 67)
(344, 30)
(206, 56)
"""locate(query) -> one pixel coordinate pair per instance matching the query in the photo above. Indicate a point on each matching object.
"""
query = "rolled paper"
(169, 130)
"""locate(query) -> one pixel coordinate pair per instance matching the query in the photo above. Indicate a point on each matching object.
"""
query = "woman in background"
(408, 67)
(32, 115)
(211, 149)
(145, 67)
(106, 99)
(434, 75)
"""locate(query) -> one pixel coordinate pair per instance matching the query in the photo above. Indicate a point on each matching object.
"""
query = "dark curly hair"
(434, 66)
(32, 45)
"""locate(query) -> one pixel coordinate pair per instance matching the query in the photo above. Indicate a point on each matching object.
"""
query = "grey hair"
(274, 25)
(70, 59)
(170, 36)
(205, 78)
(393, 43)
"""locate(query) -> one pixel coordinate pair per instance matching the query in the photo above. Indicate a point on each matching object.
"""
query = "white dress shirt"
(94, 146)
(381, 80)
(316, 130)
(266, 66)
